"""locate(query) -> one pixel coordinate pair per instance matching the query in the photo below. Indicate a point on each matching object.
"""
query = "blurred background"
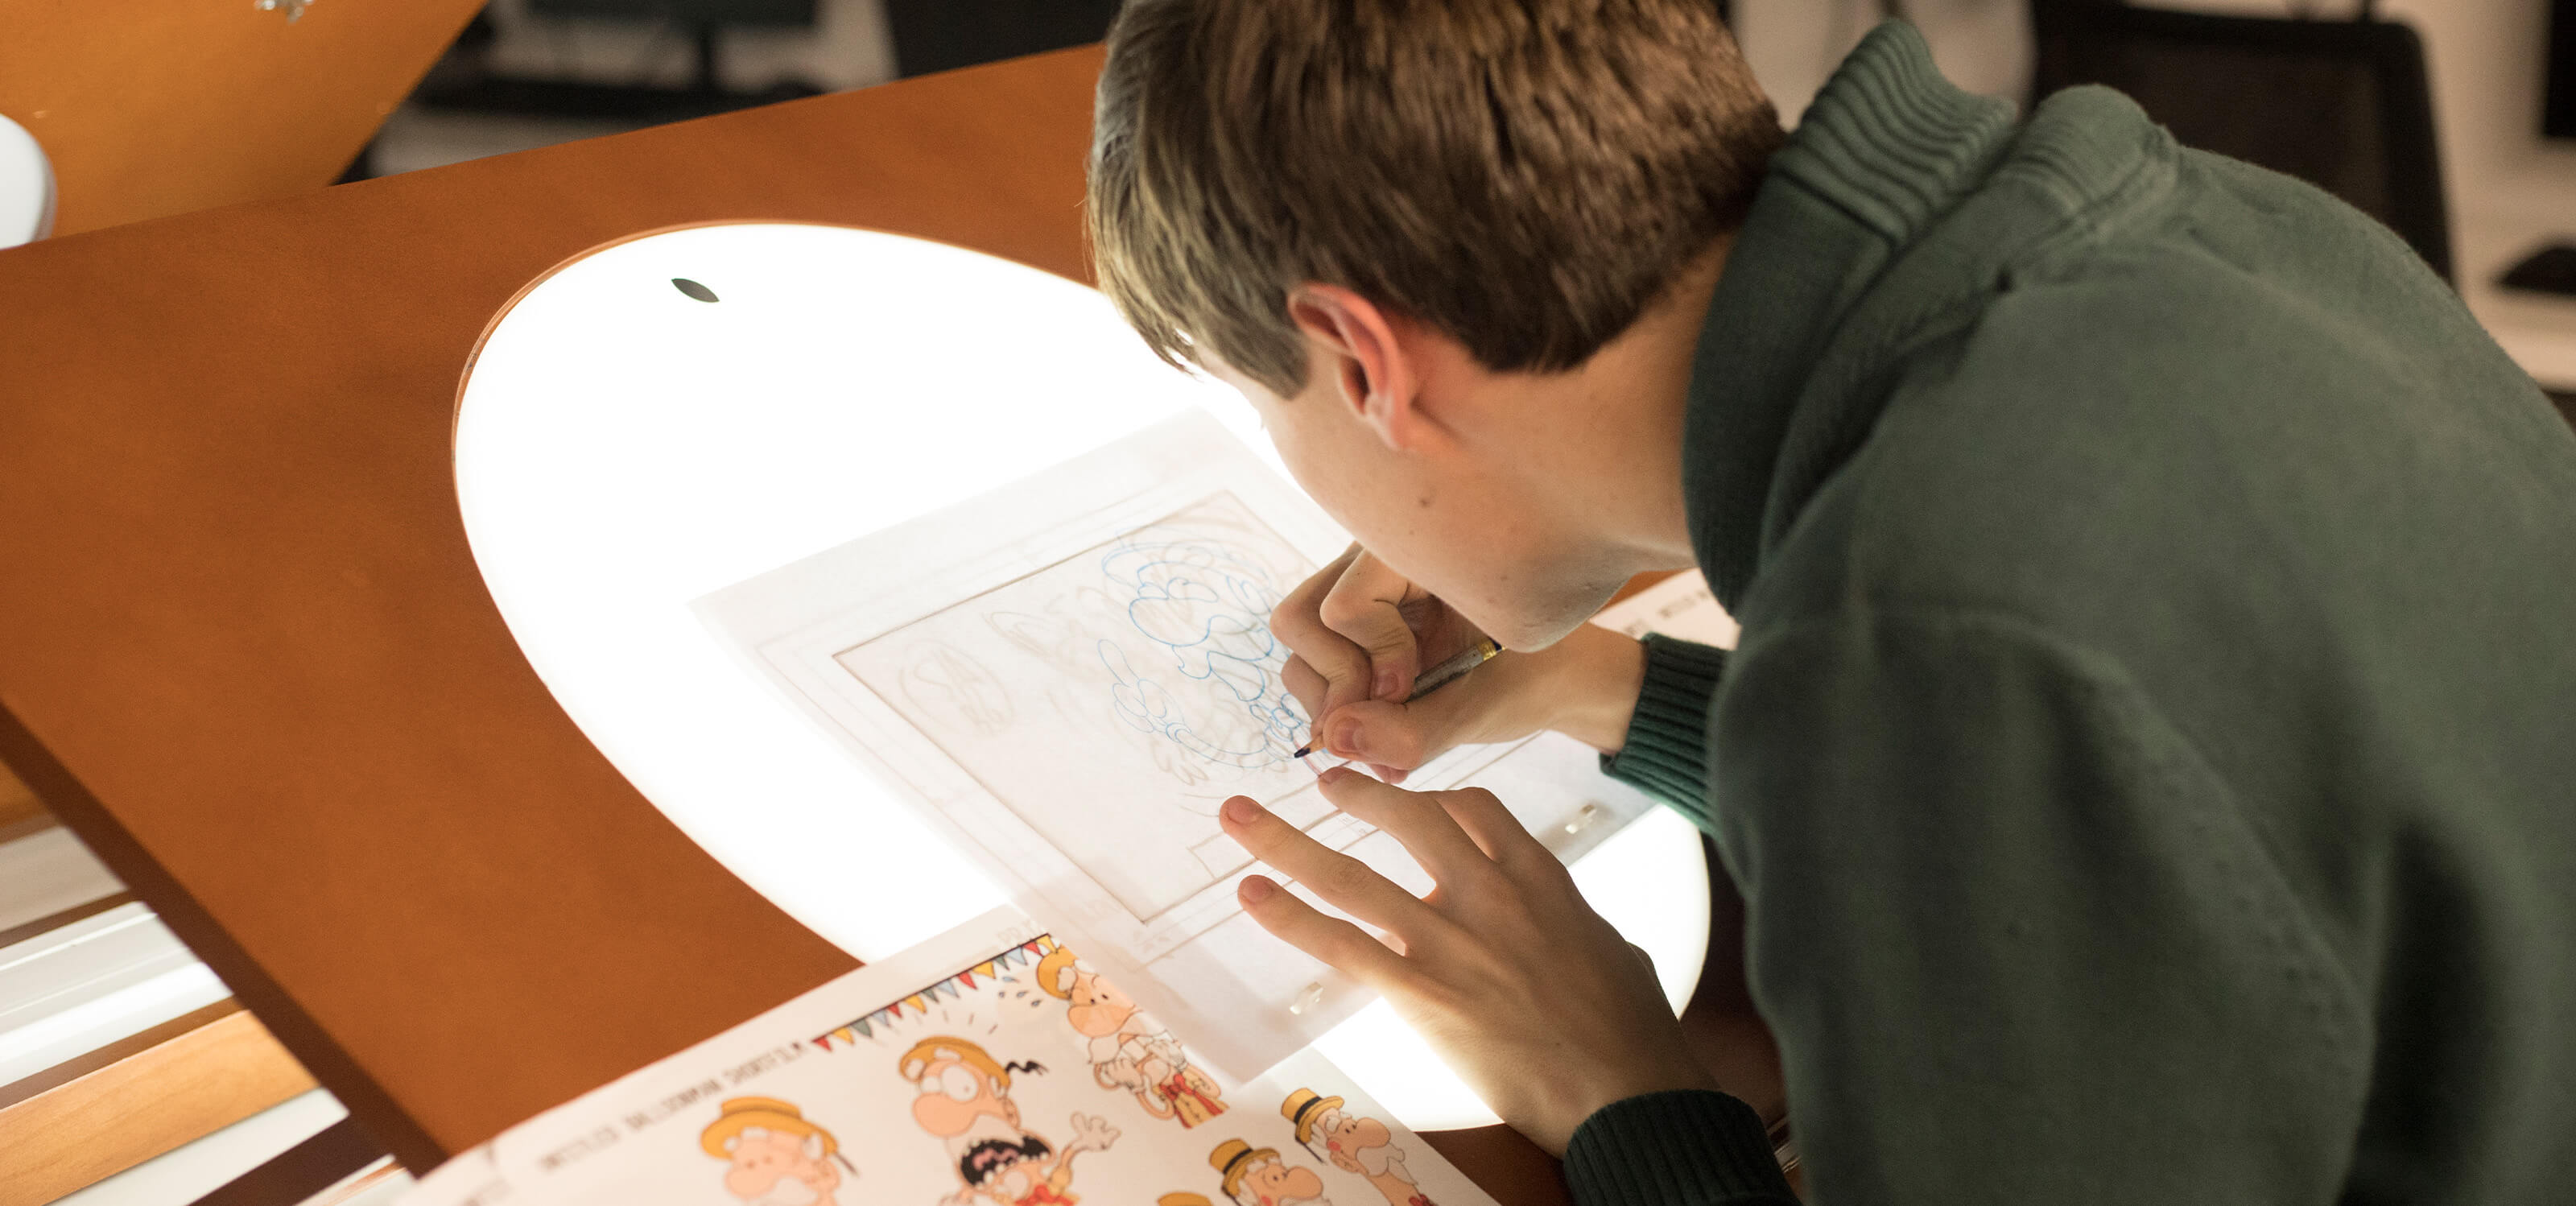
(2436, 116)
(127, 1072)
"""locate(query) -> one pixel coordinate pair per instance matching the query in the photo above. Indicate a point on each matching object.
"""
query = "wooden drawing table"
(246, 653)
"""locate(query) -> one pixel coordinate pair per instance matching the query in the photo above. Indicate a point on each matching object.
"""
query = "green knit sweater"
(2150, 757)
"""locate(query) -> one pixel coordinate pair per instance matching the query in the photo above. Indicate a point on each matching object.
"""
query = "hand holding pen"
(1361, 634)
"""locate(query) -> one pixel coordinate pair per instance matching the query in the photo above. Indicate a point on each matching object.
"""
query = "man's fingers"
(1305, 686)
(1344, 882)
(1416, 819)
(1366, 607)
(1400, 735)
(1498, 833)
(1338, 662)
(1327, 938)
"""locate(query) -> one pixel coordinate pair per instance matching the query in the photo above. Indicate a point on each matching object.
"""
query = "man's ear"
(1372, 366)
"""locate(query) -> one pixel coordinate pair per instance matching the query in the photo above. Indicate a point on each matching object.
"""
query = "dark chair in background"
(2340, 103)
(464, 81)
(936, 35)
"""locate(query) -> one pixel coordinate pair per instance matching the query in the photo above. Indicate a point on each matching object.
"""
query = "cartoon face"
(955, 1093)
(1348, 1135)
(1276, 1182)
(1098, 1007)
(778, 1168)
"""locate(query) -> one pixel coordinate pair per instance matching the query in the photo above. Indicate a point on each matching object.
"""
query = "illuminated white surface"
(26, 187)
(622, 450)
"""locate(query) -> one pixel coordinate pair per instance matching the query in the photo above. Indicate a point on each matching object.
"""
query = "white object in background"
(1679, 606)
(623, 450)
(79, 987)
(26, 187)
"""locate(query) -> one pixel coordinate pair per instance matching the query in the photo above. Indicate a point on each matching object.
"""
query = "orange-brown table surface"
(246, 653)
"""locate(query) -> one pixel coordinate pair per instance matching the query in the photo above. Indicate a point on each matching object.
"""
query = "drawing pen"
(1442, 675)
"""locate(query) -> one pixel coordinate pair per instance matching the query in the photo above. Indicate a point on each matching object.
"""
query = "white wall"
(1982, 45)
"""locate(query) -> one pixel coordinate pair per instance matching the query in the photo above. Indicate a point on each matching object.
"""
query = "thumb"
(1366, 607)
(1398, 735)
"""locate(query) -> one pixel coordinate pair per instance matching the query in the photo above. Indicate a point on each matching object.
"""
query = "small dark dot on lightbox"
(693, 289)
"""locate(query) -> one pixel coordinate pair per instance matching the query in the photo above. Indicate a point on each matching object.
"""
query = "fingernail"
(1257, 889)
(1386, 682)
(1346, 738)
(1242, 811)
(1335, 775)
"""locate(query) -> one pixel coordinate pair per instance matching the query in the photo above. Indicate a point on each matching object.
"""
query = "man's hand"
(1539, 1004)
(1361, 634)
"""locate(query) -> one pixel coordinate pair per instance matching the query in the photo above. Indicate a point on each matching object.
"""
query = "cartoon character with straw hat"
(1353, 1144)
(775, 1155)
(1128, 1049)
(1256, 1176)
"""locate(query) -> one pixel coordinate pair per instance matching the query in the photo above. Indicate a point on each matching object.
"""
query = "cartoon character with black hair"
(965, 1100)
(1353, 1144)
(775, 1156)
(1128, 1049)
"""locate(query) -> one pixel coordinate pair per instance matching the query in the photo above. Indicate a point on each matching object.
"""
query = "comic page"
(992, 1066)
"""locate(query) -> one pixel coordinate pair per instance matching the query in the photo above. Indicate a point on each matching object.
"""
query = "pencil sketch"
(946, 679)
(1207, 608)
(1113, 699)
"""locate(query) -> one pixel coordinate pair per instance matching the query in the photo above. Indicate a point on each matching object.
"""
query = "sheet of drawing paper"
(1070, 674)
(988, 1067)
(1679, 606)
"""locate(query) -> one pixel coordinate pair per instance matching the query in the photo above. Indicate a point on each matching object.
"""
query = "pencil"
(1441, 675)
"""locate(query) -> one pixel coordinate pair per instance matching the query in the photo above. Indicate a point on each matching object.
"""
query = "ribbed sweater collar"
(1888, 147)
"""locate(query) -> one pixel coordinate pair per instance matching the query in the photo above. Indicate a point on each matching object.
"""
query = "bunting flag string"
(948, 989)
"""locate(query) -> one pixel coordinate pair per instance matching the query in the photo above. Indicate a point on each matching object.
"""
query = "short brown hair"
(1526, 176)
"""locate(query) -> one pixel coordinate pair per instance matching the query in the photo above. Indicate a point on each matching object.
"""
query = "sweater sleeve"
(1688, 1148)
(1665, 752)
(2018, 939)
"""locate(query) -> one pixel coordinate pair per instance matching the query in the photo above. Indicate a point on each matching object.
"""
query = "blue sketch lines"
(1211, 684)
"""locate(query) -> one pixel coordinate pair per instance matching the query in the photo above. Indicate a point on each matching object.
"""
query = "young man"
(2150, 758)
